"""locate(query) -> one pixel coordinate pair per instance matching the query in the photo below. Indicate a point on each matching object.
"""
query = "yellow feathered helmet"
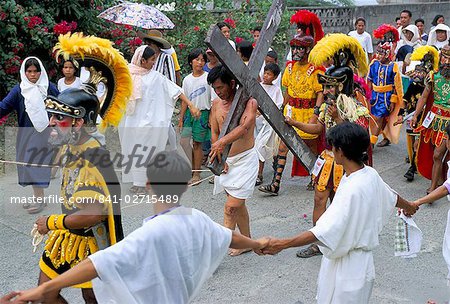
(107, 88)
(348, 57)
(428, 56)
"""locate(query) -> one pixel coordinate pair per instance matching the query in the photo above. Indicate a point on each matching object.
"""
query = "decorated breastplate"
(441, 90)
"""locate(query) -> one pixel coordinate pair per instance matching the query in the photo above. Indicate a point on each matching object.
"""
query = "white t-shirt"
(365, 40)
(62, 86)
(198, 91)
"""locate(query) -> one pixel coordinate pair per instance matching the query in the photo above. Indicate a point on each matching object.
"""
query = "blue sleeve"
(52, 89)
(9, 103)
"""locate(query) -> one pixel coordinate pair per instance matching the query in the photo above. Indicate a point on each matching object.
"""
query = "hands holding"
(269, 246)
(413, 207)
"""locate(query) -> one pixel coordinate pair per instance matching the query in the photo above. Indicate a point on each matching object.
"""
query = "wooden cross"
(249, 86)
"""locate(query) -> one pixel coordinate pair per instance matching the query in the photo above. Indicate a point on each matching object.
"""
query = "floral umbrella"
(137, 14)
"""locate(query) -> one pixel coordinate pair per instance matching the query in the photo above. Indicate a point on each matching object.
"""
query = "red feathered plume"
(381, 31)
(310, 21)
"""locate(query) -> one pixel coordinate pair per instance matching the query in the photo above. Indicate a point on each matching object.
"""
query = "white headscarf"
(415, 40)
(136, 72)
(432, 36)
(34, 95)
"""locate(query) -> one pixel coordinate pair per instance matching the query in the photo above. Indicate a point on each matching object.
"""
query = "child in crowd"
(271, 57)
(195, 87)
(70, 80)
(225, 29)
(266, 139)
(245, 50)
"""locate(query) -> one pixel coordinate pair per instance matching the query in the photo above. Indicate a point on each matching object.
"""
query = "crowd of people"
(337, 91)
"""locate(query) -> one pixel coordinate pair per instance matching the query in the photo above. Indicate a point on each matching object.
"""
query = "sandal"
(133, 189)
(409, 175)
(211, 180)
(385, 142)
(310, 186)
(311, 251)
(259, 180)
(141, 191)
(36, 207)
(269, 189)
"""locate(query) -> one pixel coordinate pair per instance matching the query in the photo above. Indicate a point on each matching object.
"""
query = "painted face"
(149, 62)
(225, 31)
(329, 91)
(68, 69)
(32, 74)
(299, 53)
(360, 27)
(382, 54)
(198, 63)
(268, 77)
(223, 90)
(61, 130)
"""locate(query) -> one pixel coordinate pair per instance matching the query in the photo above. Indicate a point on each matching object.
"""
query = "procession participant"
(146, 127)
(241, 167)
(423, 60)
(27, 99)
(179, 248)
(339, 106)
(385, 81)
(90, 190)
(436, 116)
(266, 139)
(303, 96)
(348, 231)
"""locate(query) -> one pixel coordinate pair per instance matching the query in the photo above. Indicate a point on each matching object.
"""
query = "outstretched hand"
(273, 246)
(9, 298)
(263, 242)
(34, 295)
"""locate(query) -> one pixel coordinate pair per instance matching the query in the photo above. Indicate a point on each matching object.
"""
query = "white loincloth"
(240, 179)
(266, 142)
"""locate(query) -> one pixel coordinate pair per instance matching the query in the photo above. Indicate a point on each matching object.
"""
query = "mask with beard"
(58, 138)
(299, 53)
(300, 47)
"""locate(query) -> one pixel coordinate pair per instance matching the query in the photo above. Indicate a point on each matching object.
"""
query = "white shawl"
(34, 95)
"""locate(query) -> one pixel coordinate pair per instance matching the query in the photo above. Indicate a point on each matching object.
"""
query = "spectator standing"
(438, 19)
(439, 36)
(420, 23)
(363, 37)
(225, 29)
(70, 80)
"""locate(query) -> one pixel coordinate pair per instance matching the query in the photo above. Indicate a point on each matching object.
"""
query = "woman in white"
(144, 130)
(70, 80)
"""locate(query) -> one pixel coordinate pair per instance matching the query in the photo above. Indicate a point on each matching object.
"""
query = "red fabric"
(383, 29)
(425, 150)
(297, 168)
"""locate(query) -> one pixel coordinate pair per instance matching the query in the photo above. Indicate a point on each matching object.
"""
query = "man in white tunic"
(348, 230)
(167, 260)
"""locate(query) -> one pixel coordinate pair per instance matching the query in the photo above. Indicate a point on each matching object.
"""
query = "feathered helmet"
(348, 57)
(428, 57)
(309, 23)
(107, 88)
(304, 41)
(387, 36)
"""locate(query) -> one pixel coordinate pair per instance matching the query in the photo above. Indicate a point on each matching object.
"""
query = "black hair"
(257, 28)
(246, 48)
(360, 19)
(148, 52)
(274, 68)
(406, 11)
(149, 41)
(223, 24)
(194, 54)
(419, 20)
(272, 54)
(220, 72)
(352, 139)
(73, 64)
(397, 19)
(168, 174)
(32, 61)
(435, 19)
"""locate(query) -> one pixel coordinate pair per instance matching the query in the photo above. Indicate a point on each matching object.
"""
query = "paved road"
(252, 279)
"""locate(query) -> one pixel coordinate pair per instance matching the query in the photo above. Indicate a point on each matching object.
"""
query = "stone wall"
(342, 19)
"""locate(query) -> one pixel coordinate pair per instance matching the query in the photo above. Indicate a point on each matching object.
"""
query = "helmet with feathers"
(107, 88)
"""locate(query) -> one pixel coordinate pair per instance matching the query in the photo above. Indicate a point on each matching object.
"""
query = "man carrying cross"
(241, 167)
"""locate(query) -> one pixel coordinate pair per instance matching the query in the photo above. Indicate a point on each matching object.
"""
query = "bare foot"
(194, 180)
(236, 252)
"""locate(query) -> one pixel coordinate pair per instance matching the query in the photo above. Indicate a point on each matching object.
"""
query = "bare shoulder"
(215, 104)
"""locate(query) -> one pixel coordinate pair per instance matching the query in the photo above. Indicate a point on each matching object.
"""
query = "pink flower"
(304, 216)
(3, 16)
(230, 22)
(118, 42)
(135, 42)
(128, 27)
(33, 21)
(196, 28)
(64, 27)
(239, 40)
(181, 46)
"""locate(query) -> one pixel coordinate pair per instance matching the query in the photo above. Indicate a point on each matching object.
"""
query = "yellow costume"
(302, 86)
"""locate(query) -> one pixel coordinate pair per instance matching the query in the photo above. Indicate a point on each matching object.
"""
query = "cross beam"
(249, 86)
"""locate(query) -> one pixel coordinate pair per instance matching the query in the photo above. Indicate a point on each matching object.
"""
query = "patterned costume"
(385, 77)
(437, 112)
(88, 175)
(426, 59)
(348, 56)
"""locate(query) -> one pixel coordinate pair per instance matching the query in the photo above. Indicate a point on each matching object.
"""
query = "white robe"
(266, 142)
(167, 260)
(348, 232)
(149, 126)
